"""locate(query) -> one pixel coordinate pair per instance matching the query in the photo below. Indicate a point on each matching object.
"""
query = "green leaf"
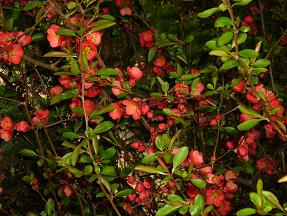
(248, 111)
(37, 37)
(108, 72)
(194, 210)
(32, 5)
(242, 2)
(109, 171)
(100, 25)
(66, 32)
(207, 210)
(108, 153)
(189, 38)
(103, 110)
(71, 135)
(255, 199)
(124, 193)
(56, 54)
(78, 173)
(50, 206)
(149, 169)
(75, 69)
(259, 187)
(248, 124)
(103, 127)
(71, 5)
(241, 39)
(179, 157)
(162, 141)
(156, 95)
(77, 126)
(271, 198)
(88, 169)
(199, 183)
(248, 53)
(152, 54)
(160, 44)
(28, 153)
(166, 210)
(230, 64)
(212, 44)
(75, 155)
(105, 182)
(108, 17)
(225, 38)
(207, 13)
(183, 210)
(262, 63)
(218, 53)
(199, 201)
(168, 112)
(246, 212)
(174, 198)
(223, 22)
(148, 159)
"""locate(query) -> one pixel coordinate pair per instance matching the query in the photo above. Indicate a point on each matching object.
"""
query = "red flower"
(95, 38)
(90, 49)
(232, 187)
(133, 109)
(196, 157)
(135, 73)
(54, 39)
(14, 54)
(56, 90)
(283, 41)
(126, 11)
(42, 114)
(7, 123)
(160, 62)
(181, 90)
(67, 82)
(192, 191)
(68, 191)
(89, 106)
(116, 87)
(214, 197)
(239, 87)
(249, 19)
(6, 135)
(146, 38)
(196, 91)
(270, 130)
(224, 208)
(117, 113)
(22, 126)
(6, 39)
(23, 39)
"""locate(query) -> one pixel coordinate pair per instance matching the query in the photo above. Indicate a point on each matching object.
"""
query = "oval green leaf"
(28, 153)
(103, 127)
(246, 212)
(166, 210)
(199, 183)
(225, 38)
(179, 157)
(248, 124)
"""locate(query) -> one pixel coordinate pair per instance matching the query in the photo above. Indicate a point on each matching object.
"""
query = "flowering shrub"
(141, 108)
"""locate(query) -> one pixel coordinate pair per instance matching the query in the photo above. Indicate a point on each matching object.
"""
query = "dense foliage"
(142, 107)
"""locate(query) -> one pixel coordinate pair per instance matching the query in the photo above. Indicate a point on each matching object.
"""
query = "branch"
(41, 64)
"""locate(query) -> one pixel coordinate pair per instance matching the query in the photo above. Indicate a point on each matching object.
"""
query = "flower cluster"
(11, 46)
(7, 126)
